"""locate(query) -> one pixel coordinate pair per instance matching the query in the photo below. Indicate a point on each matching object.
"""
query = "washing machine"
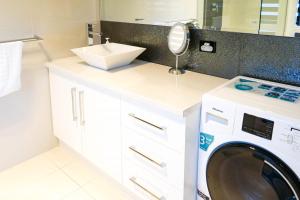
(249, 146)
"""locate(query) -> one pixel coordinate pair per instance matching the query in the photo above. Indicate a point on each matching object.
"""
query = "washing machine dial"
(296, 134)
(290, 138)
(296, 139)
(287, 137)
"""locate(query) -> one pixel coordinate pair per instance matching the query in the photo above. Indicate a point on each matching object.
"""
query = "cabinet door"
(102, 137)
(64, 100)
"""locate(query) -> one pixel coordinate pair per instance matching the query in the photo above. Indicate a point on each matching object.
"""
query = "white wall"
(62, 23)
(15, 19)
(25, 116)
(25, 127)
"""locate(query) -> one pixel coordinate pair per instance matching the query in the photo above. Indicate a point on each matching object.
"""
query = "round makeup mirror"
(178, 42)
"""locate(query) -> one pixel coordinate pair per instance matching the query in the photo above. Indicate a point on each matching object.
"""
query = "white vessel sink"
(108, 56)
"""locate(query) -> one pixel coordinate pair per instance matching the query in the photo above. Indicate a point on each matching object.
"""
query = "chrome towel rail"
(32, 39)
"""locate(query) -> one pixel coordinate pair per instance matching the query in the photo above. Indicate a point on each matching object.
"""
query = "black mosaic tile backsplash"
(267, 57)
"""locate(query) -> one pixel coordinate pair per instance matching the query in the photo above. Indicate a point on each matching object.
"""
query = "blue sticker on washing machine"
(205, 141)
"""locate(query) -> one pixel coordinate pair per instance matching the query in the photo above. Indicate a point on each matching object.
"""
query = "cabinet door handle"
(81, 105)
(74, 106)
(160, 164)
(146, 122)
(134, 181)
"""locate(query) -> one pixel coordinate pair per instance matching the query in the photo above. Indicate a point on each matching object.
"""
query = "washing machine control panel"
(258, 126)
(290, 136)
(265, 129)
(267, 90)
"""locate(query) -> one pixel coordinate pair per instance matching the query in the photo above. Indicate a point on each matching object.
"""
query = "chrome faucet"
(107, 40)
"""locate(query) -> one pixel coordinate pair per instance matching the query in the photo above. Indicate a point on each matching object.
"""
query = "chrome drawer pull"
(145, 122)
(160, 164)
(133, 180)
(74, 106)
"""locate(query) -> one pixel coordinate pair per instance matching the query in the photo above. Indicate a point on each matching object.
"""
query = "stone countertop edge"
(143, 81)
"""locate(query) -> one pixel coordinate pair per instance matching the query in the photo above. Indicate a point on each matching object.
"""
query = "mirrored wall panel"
(267, 17)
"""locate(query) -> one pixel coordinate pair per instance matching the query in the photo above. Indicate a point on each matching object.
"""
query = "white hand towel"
(10, 67)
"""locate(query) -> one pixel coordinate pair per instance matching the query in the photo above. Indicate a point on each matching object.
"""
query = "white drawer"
(154, 125)
(147, 186)
(152, 156)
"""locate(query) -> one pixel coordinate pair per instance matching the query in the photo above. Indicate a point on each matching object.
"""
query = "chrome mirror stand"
(178, 43)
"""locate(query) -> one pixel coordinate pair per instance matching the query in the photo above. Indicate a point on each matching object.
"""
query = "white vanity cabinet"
(151, 151)
(159, 151)
(139, 124)
(88, 121)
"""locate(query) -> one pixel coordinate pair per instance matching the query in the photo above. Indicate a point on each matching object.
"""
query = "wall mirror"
(266, 17)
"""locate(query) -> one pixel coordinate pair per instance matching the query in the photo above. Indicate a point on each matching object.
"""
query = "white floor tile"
(104, 189)
(35, 168)
(59, 175)
(81, 172)
(15, 180)
(78, 195)
(54, 187)
(61, 156)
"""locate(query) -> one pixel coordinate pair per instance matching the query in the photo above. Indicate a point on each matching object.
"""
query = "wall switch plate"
(208, 46)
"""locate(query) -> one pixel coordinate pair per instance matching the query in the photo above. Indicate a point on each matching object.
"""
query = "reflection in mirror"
(232, 15)
(268, 17)
(159, 12)
(273, 17)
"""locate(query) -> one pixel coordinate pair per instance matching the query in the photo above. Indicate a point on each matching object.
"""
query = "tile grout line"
(61, 169)
(80, 187)
(92, 197)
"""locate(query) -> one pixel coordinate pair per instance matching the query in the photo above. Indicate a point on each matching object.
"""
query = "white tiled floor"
(58, 175)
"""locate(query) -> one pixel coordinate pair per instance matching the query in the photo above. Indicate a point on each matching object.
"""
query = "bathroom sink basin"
(108, 56)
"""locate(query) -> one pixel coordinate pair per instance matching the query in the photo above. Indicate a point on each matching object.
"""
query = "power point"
(208, 46)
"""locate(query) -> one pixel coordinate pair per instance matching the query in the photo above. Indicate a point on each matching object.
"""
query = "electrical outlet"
(208, 46)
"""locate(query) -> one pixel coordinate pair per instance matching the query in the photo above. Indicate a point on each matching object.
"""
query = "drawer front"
(155, 126)
(154, 157)
(147, 186)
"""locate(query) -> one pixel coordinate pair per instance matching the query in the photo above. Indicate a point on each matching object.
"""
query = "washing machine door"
(247, 172)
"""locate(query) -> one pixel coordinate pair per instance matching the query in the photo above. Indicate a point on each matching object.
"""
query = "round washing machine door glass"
(247, 172)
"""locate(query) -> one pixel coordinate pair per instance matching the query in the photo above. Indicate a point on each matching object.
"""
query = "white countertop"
(146, 81)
